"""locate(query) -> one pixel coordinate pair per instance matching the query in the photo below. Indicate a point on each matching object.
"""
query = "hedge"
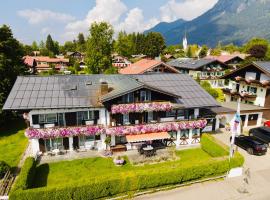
(100, 188)
(213, 147)
(27, 174)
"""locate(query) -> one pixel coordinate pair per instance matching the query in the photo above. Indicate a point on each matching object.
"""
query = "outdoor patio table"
(148, 151)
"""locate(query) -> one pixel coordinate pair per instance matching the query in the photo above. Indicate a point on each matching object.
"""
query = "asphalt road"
(228, 189)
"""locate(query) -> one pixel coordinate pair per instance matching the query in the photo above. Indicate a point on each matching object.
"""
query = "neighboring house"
(80, 112)
(251, 84)
(120, 62)
(169, 56)
(42, 63)
(76, 55)
(233, 61)
(203, 69)
(145, 66)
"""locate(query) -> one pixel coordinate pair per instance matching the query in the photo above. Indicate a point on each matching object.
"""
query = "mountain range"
(229, 21)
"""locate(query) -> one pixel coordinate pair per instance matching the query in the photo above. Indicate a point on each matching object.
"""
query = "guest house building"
(251, 84)
(96, 112)
(203, 69)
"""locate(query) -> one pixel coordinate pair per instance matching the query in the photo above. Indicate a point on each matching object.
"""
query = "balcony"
(142, 107)
(230, 91)
(57, 132)
(248, 95)
(252, 82)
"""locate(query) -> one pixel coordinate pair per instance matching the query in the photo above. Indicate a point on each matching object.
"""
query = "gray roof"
(77, 91)
(190, 63)
(263, 65)
(183, 85)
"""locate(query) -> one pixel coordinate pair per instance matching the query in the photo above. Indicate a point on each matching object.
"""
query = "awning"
(147, 137)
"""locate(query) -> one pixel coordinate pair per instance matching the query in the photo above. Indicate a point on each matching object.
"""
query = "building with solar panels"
(117, 112)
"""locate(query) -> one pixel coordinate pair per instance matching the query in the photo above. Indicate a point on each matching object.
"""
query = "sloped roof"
(78, 91)
(225, 58)
(192, 94)
(190, 63)
(261, 65)
(143, 65)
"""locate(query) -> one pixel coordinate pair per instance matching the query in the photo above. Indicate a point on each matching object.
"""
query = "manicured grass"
(12, 142)
(70, 172)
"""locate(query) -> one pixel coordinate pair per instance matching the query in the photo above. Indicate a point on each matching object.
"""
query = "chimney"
(104, 87)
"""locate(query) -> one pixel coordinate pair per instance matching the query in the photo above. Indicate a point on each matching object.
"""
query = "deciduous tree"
(99, 47)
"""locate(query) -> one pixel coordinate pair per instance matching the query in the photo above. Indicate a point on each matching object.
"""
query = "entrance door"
(71, 119)
(75, 142)
(66, 143)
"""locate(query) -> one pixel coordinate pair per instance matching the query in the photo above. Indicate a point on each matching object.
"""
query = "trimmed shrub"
(4, 167)
(211, 146)
(26, 176)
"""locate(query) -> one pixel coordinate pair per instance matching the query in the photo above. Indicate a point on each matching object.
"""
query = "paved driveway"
(258, 188)
(254, 163)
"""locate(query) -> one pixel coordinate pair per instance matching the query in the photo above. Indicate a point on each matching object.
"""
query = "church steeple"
(185, 42)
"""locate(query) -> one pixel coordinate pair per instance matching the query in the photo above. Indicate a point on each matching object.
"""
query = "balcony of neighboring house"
(232, 92)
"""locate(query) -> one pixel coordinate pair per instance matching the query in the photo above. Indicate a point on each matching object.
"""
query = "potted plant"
(119, 161)
(108, 141)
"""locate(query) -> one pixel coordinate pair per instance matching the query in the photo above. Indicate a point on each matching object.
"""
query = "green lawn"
(68, 172)
(12, 142)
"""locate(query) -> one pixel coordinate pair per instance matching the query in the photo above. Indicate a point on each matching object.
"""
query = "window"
(184, 133)
(145, 95)
(125, 118)
(48, 118)
(61, 119)
(171, 113)
(150, 116)
(55, 143)
(84, 116)
(173, 134)
(252, 89)
(253, 117)
(128, 98)
(195, 132)
(120, 140)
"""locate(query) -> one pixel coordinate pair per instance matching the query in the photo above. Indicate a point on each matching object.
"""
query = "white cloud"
(185, 9)
(104, 10)
(45, 30)
(37, 16)
(135, 22)
(113, 12)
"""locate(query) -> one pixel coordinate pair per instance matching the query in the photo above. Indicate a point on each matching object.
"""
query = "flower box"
(141, 107)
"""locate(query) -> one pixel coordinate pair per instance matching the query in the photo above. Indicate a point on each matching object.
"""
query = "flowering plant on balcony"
(141, 107)
(152, 128)
(63, 132)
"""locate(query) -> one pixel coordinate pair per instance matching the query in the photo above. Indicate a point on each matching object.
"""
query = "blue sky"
(34, 19)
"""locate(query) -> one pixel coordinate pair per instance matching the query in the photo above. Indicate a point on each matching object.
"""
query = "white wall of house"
(35, 146)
